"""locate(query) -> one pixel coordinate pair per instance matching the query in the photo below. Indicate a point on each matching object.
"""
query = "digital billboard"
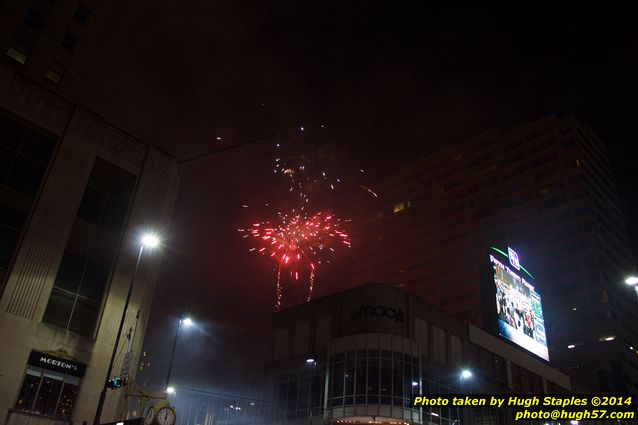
(518, 306)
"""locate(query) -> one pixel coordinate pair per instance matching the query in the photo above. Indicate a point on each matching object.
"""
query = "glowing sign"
(513, 258)
(518, 306)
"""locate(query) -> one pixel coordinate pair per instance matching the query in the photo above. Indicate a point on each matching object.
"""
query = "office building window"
(47, 392)
(11, 223)
(373, 377)
(77, 294)
(69, 41)
(24, 156)
(15, 55)
(78, 289)
(27, 34)
(55, 72)
(107, 196)
(296, 393)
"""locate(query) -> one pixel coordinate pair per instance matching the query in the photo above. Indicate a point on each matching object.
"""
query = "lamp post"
(148, 241)
(465, 374)
(186, 321)
(311, 360)
(632, 281)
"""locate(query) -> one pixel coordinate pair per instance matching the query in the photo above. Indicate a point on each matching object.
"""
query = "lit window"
(16, 55)
(55, 72)
(47, 392)
(399, 207)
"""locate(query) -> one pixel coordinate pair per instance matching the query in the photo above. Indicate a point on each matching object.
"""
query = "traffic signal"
(117, 382)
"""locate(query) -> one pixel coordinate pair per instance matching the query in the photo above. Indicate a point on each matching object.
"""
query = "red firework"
(298, 242)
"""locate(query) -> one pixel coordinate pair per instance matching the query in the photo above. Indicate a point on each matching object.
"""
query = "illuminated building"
(75, 195)
(543, 188)
(359, 356)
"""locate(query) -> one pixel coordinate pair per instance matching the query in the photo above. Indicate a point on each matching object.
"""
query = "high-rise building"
(76, 193)
(543, 188)
(51, 42)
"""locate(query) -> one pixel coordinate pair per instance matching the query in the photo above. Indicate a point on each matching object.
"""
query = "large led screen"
(518, 306)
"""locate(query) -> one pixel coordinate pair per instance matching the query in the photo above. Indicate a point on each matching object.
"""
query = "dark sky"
(390, 81)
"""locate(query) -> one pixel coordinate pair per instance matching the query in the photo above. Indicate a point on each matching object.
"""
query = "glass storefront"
(47, 392)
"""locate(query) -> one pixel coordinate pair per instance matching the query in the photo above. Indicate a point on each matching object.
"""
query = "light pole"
(311, 360)
(465, 374)
(148, 241)
(186, 321)
(632, 281)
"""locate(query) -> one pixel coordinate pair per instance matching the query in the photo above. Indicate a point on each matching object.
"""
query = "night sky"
(388, 81)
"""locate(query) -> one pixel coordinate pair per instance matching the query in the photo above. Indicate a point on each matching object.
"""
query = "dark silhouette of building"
(543, 188)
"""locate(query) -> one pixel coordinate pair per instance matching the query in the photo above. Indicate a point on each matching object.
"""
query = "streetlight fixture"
(170, 390)
(150, 241)
(186, 321)
(465, 374)
(632, 280)
(313, 361)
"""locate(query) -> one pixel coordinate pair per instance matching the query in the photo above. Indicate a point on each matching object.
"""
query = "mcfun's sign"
(379, 311)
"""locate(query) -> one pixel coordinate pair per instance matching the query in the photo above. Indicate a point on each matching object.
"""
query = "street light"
(186, 321)
(313, 361)
(150, 241)
(170, 390)
(465, 374)
(632, 280)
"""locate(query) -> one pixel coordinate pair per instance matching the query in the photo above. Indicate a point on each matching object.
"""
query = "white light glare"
(632, 280)
(187, 321)
(170, 390)
(610, 338)
(466, 374)
(310, 360)
(415, 384)
(570, 346)
(150, 240)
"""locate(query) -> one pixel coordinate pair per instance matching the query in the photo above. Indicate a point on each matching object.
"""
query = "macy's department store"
(359, 356)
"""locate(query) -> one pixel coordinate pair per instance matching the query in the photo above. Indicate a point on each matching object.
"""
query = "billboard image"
(518, 305)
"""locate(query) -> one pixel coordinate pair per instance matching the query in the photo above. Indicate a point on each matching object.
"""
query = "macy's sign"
(378, 311)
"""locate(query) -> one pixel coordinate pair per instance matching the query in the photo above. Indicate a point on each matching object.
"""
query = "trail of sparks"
(278, 289)
(311, 285)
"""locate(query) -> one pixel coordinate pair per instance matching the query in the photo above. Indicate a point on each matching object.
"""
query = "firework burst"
(298, 242)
